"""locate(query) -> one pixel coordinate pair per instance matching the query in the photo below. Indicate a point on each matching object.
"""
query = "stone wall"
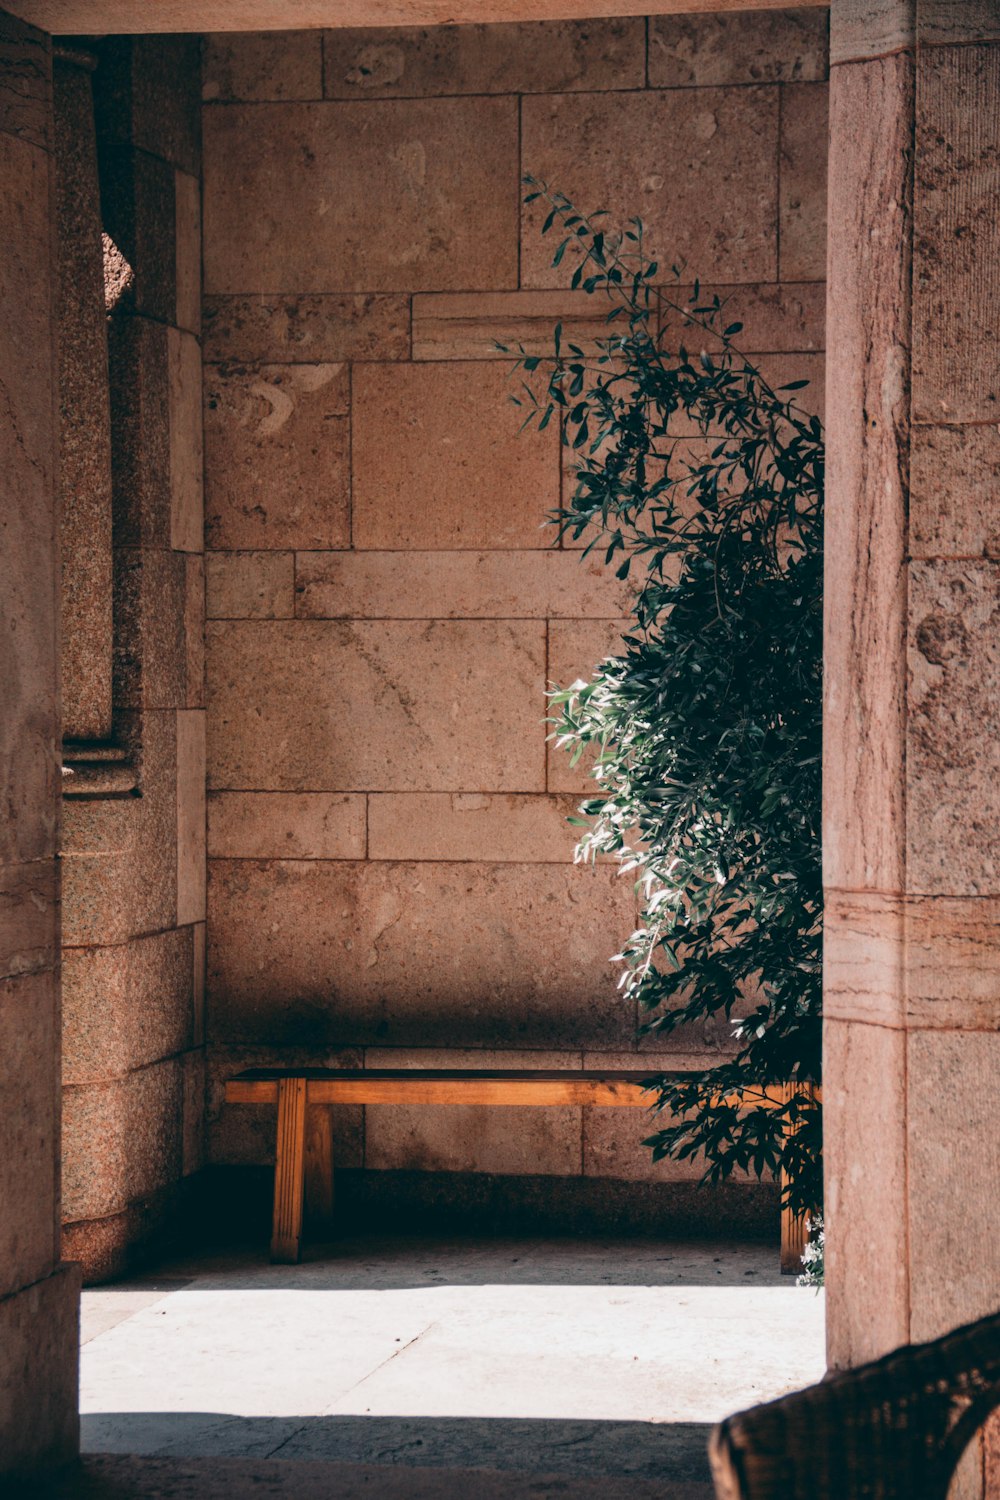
(38, 1296)
(390, 870)
(133, 826)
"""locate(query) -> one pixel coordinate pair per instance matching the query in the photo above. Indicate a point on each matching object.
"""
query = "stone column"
(912, 797)
(38, 1297)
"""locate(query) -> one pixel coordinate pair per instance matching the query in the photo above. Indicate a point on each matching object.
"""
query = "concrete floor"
(584, 1361)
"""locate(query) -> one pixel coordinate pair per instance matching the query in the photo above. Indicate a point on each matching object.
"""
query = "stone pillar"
(912, 797)
(38, 1297)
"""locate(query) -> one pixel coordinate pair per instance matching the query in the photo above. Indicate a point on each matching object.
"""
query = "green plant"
(814, 1255)
(704, 486)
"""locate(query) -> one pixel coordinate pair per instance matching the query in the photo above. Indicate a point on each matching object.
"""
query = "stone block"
(29, 917)
(146, 93)
(29, 727)
(416, 954)
(125, 1006)
(198, 984)
(953, 729)
(39, 1375)
(245, 1134)
(865, 1161)
(804, 134)
(513, 58)
(187, 527)
(286, 825)
(29, 1128)
(193, 1112)
(955, 492)
(426, 193)
(954, 1165)
(865, 663)
(952, 963)
(139, 377)
(864, 957)
(866, 29)
(943, 23)
(956, 235)
(194, 628)
(712, 207)
(187, 256)
(26, 69)
(469, 325)
(191, 815)
(575, 647)
(777, 317)
(456, 585)
(743, 46)
(268, 65)
(438, 462)
(306, 328)
(377, 705)
(277, 456)
(251, 585)
(139, 216)
(151, 649)
(471, 826)
(613, 1147)
(122, 1140)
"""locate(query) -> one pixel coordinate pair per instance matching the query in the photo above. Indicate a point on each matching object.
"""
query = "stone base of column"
(39, 1374)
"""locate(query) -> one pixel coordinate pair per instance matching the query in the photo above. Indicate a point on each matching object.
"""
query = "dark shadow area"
(572, 1448)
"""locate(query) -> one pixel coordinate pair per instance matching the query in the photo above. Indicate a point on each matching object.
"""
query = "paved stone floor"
(408, 1363)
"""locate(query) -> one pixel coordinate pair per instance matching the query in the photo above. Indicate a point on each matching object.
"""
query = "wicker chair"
(892, 1430)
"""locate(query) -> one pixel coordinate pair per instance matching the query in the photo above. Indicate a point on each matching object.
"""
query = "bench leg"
(319, 1167)
(793, 1238)
(286, 1234)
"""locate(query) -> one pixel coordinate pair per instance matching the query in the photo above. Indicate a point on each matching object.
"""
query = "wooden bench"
(303, 1172)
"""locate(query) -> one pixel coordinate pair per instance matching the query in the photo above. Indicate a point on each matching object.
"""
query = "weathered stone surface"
(147, 95)
(84, 419)
(29, 729)
(191, 815)
(516, 58)
(712, 205)
(121, 1140)
(864, 1115)
(864, 957)
(139, 216)
(187, 527)
(956, 244)
(244, 1134)
(953, 729)
(776, 316)
(575, 648)
(26, 68)
(426, 193)
(455, 585)
(416, 954)
(376, 705)
(194, 628)
(286, 825)
(29, 917)
(955, 492)
(437, 460)
(187, 256)
(306, 328)
(139, 373)
(150, 660)
(469, 325)
(125, 1006)
(613, 1147)
(198, 985)
(864, 653)
(277, 456)
(262, 65)
(471, 825)
(804, 133)
(864, 29)
(952, 962)
(193, 1112)
(29, 1128)
(954, 1164)
(39, 1364)
(738, 47)
(251, 585)
(943, 22)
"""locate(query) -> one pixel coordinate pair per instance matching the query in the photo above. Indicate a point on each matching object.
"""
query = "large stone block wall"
(390, 870)
(38, 1296)
(133, 863)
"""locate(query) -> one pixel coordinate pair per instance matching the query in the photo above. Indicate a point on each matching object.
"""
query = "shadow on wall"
(583, 1449)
